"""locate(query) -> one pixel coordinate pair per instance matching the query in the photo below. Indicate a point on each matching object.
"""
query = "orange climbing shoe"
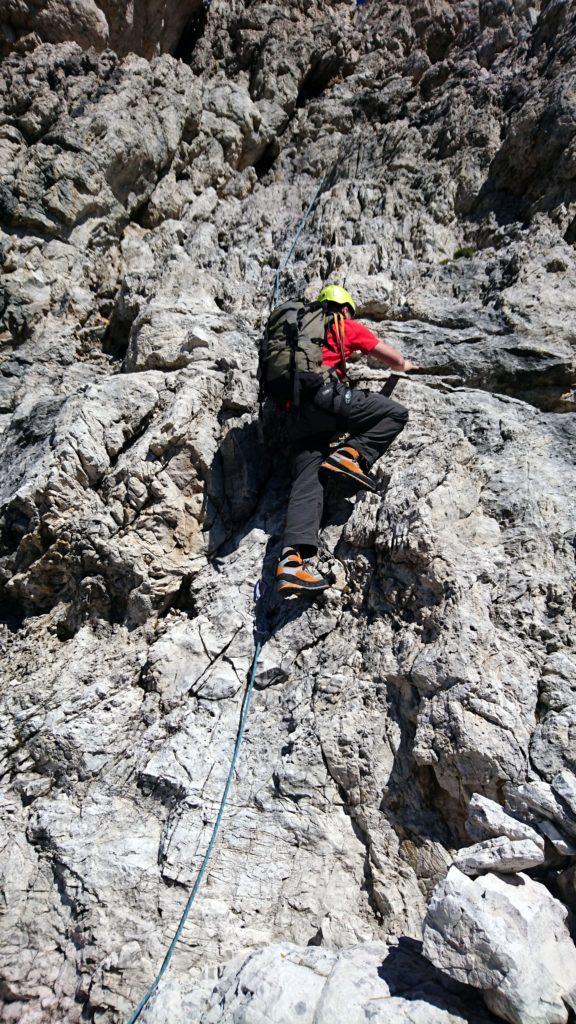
(346, 460)
(293, 576)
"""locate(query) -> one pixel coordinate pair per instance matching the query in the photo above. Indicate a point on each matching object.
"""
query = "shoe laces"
(292, 556)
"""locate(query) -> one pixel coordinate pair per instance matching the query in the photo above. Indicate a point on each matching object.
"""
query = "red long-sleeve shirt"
(357, 338)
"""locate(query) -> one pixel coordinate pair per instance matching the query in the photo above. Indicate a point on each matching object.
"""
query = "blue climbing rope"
(239, 737)
(346, 143)
(296, 238)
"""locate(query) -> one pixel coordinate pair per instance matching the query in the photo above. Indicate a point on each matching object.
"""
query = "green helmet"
(334, 293)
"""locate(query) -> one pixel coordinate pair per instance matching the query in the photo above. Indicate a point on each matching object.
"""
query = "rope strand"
(344, 150)
(215, 830)
(299, 231)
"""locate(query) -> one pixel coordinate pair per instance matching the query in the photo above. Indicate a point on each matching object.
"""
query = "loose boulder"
(487, 932)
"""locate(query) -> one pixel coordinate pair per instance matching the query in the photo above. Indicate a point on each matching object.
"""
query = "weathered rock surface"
(508, 938)
(503, 855)
(285, 983)
(145, 205)
(488, 820)
(539, 799)
(146, 27)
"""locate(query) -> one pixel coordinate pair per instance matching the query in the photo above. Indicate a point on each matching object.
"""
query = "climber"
(327, 407)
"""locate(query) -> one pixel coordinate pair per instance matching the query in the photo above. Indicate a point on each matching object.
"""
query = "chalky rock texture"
(488, 820)
(155, 160)
(384, 984)
(530, 977)
(505, 844)
(503, 855)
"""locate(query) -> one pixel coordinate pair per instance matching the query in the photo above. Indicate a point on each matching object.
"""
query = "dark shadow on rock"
(410, 976)
(506, 207)
(192, 33)
(412, 801)
(247, 488)
(12, 615)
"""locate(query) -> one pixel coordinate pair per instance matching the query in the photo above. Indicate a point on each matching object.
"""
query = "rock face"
(146, 27)
(529, 976)
(487, 820)
(375, 982)
(147, 200)
(505, 844)
(503, 855)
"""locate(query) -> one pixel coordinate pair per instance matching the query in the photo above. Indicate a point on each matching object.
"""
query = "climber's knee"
(400, 415)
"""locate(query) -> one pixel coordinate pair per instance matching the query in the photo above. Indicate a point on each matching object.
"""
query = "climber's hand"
(408, 366)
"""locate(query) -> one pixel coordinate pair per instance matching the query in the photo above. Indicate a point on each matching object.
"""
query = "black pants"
(373, 422)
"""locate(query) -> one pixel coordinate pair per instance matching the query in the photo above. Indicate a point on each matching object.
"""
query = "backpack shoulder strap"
(340, 332)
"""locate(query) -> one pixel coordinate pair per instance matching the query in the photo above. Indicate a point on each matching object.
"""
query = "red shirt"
(357, 338)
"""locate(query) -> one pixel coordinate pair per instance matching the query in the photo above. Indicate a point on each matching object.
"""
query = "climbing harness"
(260, 639)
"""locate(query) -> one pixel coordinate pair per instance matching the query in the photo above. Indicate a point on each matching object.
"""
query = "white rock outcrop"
(508, 938)
(488, 820)
(502, 855)
(287, 984)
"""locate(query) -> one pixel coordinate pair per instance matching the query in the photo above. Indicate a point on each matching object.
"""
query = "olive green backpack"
(291, 350)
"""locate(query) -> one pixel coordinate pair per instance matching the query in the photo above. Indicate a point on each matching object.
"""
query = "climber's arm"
(389, 355)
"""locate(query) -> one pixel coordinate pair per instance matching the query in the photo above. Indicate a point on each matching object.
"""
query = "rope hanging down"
(299, 231)
(345, 149)
(215, 830)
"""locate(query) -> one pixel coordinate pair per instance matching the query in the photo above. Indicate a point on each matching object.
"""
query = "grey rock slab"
(485, 932)
(564, 786)
(284, 984)
(487, 820)
(502, 854)
(552, 746)
(561, 844)
(540, 799)
(558, 683)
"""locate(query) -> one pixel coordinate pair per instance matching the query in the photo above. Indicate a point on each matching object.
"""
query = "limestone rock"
(148, 28)
(485, 932)
(540, 799)
(502, 855)
(564, 786)
(147, 199)
(560, 843)
(558, 684)
(286, 983)
(488, 820)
